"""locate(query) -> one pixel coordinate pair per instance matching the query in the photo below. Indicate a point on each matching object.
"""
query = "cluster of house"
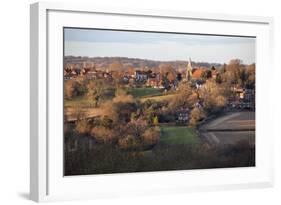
(145, 77)
(155, 79)
(89, 73)
(183, 115)
(149, 78)
(242, 99)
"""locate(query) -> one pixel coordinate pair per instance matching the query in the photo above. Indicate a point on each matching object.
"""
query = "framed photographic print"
(127, 102)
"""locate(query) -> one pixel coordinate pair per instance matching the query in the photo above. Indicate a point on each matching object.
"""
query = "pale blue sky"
(158, 46)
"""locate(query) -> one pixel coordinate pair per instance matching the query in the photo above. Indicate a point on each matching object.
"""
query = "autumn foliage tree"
(235, 73)
(96, 89)
(168, 71)
(196, 115)
(120, 108)
(213, 96)
(251, 73)
(103, 134)
(116, 66)
(73, 88)
(185, 97)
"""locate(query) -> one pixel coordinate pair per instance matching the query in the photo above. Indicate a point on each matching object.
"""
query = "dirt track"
(71, 113)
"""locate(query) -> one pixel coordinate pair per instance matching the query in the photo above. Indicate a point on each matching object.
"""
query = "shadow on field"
(105, 159)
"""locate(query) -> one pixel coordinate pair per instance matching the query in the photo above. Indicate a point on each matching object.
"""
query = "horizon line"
(157, 60)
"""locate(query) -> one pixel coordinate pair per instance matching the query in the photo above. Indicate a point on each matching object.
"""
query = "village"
(166, 79)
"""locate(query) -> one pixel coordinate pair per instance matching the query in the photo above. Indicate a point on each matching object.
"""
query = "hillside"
(106, 62)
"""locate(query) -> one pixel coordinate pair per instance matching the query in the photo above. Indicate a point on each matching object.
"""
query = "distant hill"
(105, 62)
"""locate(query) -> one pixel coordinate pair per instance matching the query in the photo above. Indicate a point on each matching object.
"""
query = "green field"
(143, 92)
(178, 135)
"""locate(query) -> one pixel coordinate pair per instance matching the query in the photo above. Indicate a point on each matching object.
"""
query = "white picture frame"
(47, 182)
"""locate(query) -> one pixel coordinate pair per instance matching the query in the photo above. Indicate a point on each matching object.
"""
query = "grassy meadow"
(173, 135)
(144, 92)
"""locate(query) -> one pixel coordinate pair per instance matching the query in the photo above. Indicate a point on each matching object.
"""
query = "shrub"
(129, 143)
(82, 127)
(196, 115)
(151, 136)
(102, 134)
(155, 120)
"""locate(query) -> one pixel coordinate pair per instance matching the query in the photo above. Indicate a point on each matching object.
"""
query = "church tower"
(189, 70)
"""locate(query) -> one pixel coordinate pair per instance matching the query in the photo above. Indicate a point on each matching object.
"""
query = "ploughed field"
(231, 128)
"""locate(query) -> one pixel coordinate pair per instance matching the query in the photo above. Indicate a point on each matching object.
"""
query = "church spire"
(189, 70)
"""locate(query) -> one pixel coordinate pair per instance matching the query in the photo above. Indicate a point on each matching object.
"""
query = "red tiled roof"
(197, 73)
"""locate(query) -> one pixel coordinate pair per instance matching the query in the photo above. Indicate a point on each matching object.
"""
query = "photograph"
(147, 101)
